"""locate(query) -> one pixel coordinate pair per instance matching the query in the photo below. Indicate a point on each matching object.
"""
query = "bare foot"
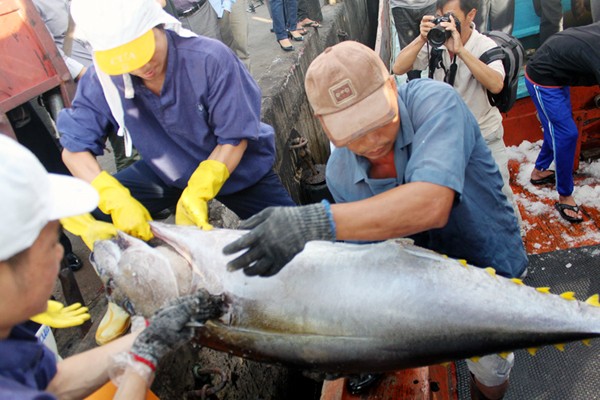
(536, 174)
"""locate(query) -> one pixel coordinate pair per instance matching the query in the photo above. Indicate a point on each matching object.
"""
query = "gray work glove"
(277, 235)
(168, 330)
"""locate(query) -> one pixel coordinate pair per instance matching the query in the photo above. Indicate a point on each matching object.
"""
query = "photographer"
(451, 46)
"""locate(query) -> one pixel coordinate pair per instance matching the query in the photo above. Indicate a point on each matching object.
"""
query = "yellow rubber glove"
(89, 229)
(128, 214)
(59, 316)
(204, 184)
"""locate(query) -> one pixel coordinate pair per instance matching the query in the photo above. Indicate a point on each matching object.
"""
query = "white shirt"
(469, 88)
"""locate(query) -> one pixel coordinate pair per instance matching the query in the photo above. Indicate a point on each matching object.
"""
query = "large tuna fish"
(344, 308)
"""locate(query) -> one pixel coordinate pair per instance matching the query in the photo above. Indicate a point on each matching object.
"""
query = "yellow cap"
(127, 57)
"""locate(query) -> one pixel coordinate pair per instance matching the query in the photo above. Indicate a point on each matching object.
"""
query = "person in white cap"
(33, 202)
(409, 162)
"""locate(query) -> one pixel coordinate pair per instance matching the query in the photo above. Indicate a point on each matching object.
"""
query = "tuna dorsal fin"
(517, 281)
(503, 355)
(543, 289)
(490, 271)
(568, 295)
(587, 342)
(593, 301)
(463, 263)
(560, 346)
(532, 350)
(475, 359)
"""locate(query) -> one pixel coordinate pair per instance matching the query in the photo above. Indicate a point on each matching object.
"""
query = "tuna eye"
(128, 307)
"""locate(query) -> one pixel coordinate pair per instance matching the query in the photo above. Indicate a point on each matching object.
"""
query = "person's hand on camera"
(426, 25)
(454, 43)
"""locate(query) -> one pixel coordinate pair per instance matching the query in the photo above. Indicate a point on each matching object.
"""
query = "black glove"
(168, 330)
(277, 235)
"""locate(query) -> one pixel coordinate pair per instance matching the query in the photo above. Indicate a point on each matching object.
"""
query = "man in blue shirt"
(410, 162)
(188, 105)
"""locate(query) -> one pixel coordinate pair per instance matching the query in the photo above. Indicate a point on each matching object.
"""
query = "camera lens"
(437, 36)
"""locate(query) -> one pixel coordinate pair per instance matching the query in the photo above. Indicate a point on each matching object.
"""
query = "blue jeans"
(285, 17)
(146, 187)
(553, 105)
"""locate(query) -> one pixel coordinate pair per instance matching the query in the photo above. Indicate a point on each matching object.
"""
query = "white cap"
(119, 31)
(30, 197)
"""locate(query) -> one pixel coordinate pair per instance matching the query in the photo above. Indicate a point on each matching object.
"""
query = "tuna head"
(138, 277)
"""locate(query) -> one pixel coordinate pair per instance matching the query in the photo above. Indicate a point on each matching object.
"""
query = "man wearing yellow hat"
(188, 105)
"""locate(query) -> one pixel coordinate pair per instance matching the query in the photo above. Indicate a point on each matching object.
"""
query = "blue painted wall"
(527, 23)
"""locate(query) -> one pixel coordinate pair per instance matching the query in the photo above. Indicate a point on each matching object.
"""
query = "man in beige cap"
(33, 202)
(410, 162)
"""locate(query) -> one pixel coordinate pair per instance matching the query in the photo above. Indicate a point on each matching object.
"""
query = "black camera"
(438, 35)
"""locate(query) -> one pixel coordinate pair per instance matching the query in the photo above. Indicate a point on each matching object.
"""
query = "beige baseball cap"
(346, 87)
(31, 197)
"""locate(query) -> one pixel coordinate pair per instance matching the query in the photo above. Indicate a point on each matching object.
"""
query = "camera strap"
(451, 73)
(436, 61)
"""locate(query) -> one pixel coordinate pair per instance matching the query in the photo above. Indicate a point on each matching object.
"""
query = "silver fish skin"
(345, 308)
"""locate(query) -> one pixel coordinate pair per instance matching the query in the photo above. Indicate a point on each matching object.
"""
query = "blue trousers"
(553, 105)
(146, 187)
(285, 17)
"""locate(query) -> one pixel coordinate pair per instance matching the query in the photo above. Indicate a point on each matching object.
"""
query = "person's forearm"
(406, 58)
(132, 387)
(488, 77)
(82, 374)
(408, 209)
(229, 155)
(82, 165)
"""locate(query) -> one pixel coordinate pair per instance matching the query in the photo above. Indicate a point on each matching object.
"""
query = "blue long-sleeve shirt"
(208, 98)
(26, 366)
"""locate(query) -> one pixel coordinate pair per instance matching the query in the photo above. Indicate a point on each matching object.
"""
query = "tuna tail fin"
(593, 301)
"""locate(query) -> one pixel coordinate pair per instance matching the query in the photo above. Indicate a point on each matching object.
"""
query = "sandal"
(301, 30)
(561, 207)
(545, 180)
(310, 24)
